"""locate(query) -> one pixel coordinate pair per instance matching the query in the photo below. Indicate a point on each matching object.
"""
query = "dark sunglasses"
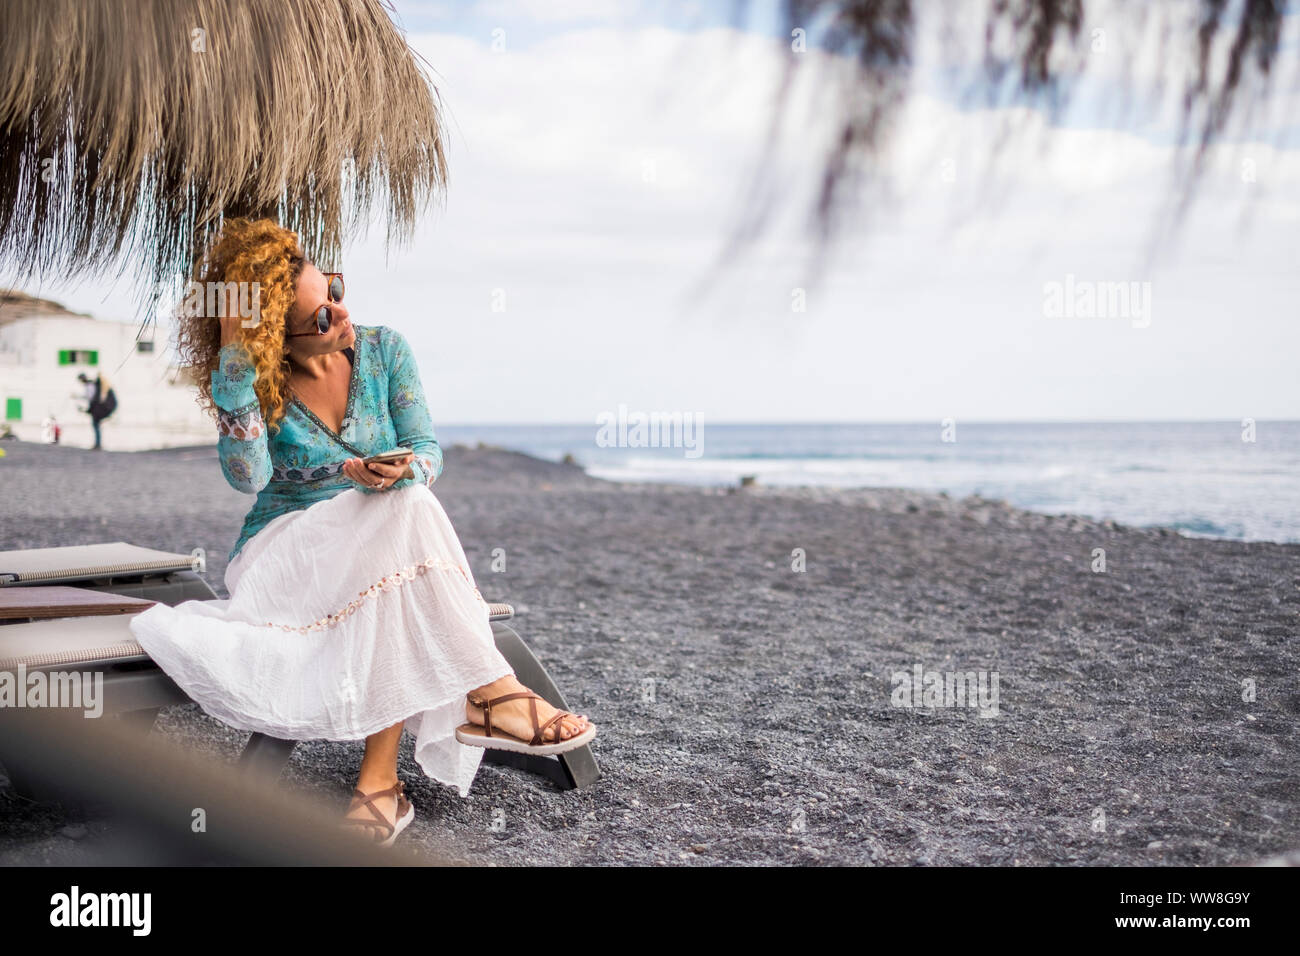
(325, 315)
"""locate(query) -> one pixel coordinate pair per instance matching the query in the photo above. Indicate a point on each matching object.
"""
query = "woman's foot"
(387, 805)
(514, 716)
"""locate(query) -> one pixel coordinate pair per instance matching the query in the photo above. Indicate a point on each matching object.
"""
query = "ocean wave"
(1204, 527)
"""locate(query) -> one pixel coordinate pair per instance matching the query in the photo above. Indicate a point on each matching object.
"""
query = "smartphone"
(388, 457)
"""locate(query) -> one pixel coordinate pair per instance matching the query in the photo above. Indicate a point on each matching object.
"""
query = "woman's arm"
(241, 442)
(409, 412)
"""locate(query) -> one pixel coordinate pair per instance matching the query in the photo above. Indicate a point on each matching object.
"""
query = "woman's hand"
(377, 475)
(230, 329)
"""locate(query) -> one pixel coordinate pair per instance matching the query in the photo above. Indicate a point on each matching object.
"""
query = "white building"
(43, 347)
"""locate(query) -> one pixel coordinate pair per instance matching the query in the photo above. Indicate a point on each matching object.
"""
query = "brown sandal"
(389, 832)
(473, 735)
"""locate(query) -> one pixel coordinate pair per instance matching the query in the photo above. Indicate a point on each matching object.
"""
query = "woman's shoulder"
(384, 340)
(384, 337)
(371, 334)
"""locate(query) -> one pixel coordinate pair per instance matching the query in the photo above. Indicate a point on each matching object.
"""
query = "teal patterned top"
(302, 462)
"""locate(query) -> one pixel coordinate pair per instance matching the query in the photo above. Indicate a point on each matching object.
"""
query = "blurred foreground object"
(173, 807)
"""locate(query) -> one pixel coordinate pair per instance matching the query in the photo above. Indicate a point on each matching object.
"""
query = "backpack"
(103, 405)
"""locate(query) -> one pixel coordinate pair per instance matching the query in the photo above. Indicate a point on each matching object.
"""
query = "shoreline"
(893, 499)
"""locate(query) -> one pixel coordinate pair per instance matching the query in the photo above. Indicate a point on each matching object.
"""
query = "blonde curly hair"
(246, 251)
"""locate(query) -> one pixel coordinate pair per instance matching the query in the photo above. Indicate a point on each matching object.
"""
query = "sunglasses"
(324, 316)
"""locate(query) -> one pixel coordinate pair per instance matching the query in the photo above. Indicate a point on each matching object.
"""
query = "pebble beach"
(741, 649)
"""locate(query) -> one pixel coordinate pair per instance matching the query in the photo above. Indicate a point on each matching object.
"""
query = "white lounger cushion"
(69, 640)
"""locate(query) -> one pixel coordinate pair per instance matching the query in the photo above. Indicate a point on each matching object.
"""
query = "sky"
(600, 153)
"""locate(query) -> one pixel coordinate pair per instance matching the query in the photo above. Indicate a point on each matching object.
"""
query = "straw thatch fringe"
(131, 127)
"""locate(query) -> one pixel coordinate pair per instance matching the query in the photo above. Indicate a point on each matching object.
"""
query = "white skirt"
(343, 619)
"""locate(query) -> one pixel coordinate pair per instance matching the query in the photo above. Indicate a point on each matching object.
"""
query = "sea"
(1231, 479)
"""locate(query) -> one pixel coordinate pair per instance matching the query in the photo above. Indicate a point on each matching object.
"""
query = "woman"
(352, 609)
(101, 402)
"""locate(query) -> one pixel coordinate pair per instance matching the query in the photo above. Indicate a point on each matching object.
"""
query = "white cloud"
(553, 11)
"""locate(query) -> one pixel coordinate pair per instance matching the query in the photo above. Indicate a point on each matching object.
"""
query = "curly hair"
(245, 251)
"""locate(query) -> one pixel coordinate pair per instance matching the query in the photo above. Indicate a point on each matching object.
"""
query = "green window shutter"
(13, 409)
(78, 357)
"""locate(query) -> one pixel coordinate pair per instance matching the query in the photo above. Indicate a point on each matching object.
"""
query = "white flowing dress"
(344, 618)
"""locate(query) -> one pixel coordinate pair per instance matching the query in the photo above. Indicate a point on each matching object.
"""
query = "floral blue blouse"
(302, 462)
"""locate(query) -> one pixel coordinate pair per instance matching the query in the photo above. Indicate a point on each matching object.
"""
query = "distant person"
(353, 613)
(101, 402)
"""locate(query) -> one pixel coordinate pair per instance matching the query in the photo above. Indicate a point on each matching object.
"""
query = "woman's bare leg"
(379, 772)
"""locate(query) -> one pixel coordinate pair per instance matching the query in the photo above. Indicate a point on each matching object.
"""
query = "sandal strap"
(367, 799)
(395, 790)
(486, 707)
(541, 731)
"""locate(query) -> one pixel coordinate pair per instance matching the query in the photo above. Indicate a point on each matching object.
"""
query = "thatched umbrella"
(129, 128)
